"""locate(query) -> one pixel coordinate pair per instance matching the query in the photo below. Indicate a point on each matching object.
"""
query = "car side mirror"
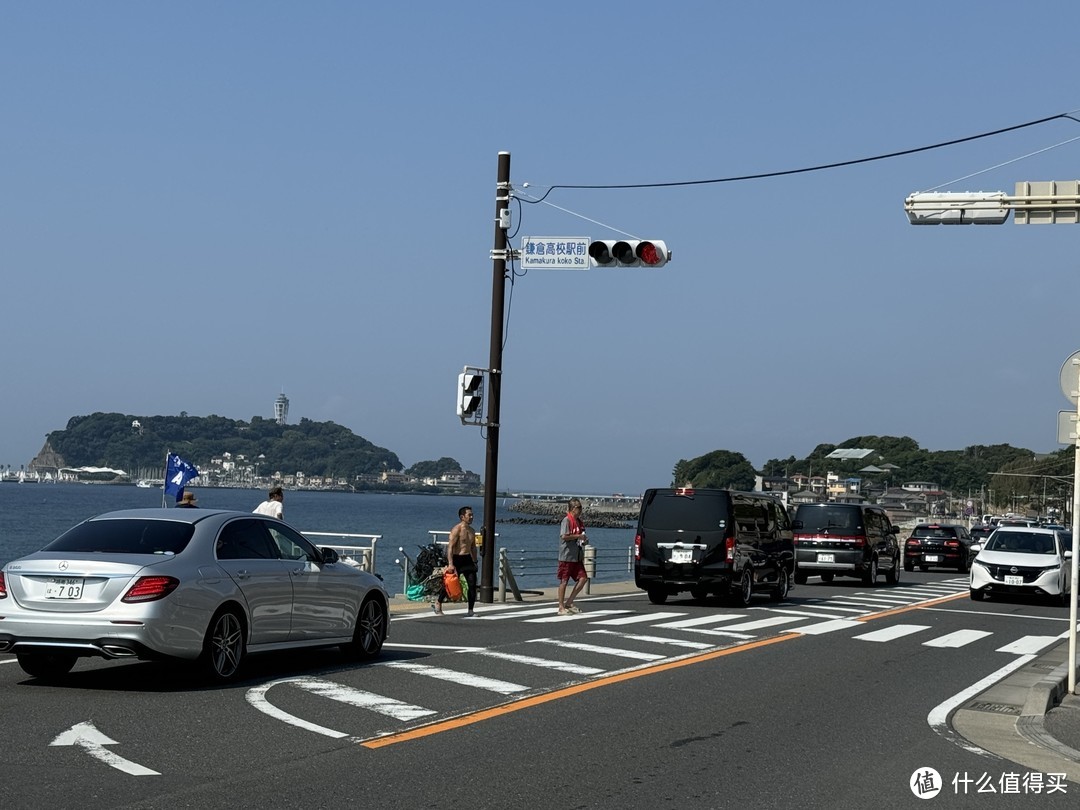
(1067, 555)
(329, 555)
(976, 547)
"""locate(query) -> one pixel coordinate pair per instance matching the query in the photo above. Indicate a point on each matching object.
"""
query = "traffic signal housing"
(470, 396)
(628, 253)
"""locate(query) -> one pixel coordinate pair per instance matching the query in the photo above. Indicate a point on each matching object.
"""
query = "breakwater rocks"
(598, 516)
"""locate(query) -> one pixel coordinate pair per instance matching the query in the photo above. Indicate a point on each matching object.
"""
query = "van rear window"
(835, 518)
(700, 512)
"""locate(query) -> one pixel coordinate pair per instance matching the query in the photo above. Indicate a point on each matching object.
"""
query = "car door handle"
(242, 574)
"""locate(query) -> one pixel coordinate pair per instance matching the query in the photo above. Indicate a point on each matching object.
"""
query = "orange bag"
(452, 586)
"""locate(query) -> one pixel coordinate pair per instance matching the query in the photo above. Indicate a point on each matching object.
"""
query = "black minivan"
(845, 539)
(712, 541)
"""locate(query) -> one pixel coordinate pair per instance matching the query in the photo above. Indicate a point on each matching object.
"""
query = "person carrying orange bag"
(461, 560)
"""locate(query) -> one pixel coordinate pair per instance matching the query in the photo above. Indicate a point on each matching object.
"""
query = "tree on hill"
(720, 469)
(433, 469)
(141, 442)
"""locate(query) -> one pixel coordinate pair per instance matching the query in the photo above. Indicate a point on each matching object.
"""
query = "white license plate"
(932, 557)
(826, 558)
(1014, 580)
(679, 555)
(64, 588)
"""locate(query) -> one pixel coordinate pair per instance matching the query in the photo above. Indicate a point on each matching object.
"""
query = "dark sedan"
(944, 545)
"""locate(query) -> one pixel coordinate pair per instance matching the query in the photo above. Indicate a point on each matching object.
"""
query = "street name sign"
(554, 253)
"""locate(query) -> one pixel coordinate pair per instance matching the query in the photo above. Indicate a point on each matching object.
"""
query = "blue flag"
(177, 473)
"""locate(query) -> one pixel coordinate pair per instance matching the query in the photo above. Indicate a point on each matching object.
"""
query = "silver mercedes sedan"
(194, 584)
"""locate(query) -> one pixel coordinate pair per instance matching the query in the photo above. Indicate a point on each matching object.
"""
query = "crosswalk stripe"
(808, 613)
(640, 618)
(895, 600)
(676, 642)
(826, 627)
(517, 614)
(463, 678)
(894, 632)
(397, 709)
(759, 623)
(546, 663)
(957, 639)
(1028, 645)
(575, 616)
(699, 620)
(597, 648)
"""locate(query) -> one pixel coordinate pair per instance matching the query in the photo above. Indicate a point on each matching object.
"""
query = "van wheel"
(783, 586)
(657, 596)
(870, 574)
(892, 576)
(744, 590)
(699, 593)
(827, 576)
(800, 577)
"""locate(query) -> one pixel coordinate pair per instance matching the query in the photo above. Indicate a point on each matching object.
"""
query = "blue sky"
(205, 204)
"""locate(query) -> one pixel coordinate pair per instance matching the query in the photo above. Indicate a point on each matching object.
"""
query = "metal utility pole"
(498, 294)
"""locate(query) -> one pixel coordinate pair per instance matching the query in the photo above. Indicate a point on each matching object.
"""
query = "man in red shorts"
(572, 540)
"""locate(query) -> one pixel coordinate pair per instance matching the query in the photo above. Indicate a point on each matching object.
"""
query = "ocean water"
(32, 515)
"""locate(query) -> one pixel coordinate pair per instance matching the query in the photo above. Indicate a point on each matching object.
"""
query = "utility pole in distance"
(498, 293)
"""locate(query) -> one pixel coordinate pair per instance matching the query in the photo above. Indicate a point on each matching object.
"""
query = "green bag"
(416, 593)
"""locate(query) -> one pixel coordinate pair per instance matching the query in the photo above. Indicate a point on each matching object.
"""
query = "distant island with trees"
(232, 452)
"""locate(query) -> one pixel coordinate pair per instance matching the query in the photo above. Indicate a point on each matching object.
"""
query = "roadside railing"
(531, 566)
(362, 557)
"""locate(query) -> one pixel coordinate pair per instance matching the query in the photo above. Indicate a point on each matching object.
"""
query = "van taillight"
(637, 546)
(729, 549)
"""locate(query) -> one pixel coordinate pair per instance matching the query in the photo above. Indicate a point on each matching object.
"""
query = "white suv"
(1023, 560)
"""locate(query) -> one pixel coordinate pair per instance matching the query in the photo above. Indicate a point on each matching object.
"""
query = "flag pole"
(167, 451)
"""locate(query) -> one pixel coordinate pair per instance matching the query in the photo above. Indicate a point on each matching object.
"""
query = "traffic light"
(470, 395)
(628, 253)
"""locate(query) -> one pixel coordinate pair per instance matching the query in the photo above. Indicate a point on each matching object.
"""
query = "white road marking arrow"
(93, 741)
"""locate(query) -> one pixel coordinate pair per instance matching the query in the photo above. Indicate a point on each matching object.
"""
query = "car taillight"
(911, 541)
(3, 586)
(952, 543)
(637, 546)
(729, 549)
(147, 589)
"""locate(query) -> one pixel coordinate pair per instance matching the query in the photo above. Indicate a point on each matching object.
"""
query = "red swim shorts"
(571, 570)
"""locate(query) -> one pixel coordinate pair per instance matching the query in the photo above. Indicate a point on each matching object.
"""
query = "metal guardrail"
(525, 564)
(361, 556)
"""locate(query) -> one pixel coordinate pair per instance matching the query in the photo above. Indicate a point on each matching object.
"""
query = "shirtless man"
(461, 558)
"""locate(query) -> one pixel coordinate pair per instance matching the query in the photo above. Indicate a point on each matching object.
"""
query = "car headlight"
(980, 563)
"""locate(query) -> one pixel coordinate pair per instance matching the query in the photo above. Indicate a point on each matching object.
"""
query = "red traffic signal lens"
(648, 253)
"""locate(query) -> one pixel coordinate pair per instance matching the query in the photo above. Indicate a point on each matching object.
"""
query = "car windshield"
(1021, 542)
(125, 537)
(700, 512)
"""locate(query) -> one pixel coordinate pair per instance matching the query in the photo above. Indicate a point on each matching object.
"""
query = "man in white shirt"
(273, 506)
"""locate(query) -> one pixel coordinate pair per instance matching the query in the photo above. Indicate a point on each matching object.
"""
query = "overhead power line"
(818, 168)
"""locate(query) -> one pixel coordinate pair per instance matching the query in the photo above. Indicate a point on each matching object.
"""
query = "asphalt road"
(825, 700)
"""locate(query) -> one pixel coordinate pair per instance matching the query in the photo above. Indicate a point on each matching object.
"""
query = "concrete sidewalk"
(1026, 717)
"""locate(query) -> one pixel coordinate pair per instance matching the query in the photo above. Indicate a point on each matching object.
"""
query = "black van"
(712, 541)
(845, 539)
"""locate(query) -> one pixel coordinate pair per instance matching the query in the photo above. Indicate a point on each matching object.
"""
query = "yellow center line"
(577, 689)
